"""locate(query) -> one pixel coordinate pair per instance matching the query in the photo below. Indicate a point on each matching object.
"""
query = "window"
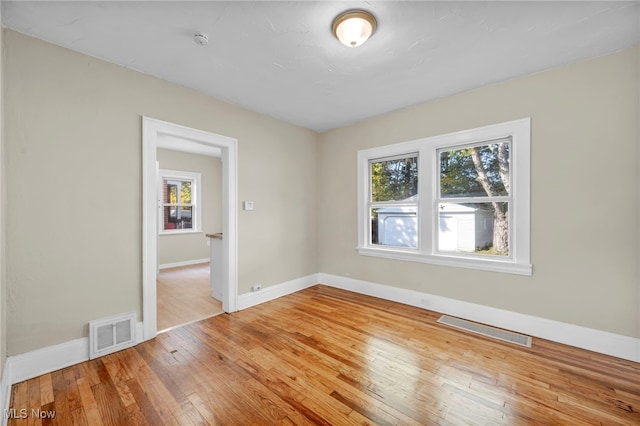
(460, 199)
(180, 202)
(393, 206)
(473, 198)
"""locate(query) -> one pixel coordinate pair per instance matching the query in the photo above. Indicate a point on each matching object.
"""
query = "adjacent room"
(191, 192)
(310, 212)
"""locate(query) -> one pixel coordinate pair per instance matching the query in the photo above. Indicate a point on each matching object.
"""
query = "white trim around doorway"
(153, 131)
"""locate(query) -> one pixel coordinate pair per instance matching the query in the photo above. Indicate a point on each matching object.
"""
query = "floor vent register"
(485, 330)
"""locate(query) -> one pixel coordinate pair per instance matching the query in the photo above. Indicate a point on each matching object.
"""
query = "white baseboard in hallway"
(184, 263)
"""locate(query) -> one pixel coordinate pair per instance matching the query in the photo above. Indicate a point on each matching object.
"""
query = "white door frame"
(152, 130)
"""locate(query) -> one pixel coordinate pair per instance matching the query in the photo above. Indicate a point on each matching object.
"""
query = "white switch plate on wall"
(248, 205)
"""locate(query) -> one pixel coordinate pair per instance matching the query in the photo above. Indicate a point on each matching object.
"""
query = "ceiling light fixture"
(354, 27)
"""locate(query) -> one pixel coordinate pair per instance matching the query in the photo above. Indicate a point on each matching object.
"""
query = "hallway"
(184, 296)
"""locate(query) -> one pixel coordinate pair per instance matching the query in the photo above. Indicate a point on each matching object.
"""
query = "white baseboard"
(32, 364)
(184, 263)
(41, 361)
(273, 292)
(573, 335)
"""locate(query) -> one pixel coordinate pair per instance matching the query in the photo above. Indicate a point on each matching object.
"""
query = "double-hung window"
(460, 199)
(180, 202)
(393, 206)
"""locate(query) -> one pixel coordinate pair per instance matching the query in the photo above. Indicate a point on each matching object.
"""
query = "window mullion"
(392, 204)
(426, 190)
(469, 200)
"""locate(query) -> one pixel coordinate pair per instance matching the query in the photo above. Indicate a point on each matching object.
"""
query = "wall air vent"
(112, 334)
(485, 330)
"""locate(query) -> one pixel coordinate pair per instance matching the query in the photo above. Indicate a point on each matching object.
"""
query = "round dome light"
(354, 27)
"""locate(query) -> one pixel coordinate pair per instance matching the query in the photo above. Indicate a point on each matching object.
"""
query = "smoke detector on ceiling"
(201, 39)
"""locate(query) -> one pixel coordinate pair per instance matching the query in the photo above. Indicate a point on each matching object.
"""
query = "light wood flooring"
(184, 295)
(330, 357)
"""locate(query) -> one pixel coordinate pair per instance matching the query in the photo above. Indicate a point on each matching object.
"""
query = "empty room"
(316, 212)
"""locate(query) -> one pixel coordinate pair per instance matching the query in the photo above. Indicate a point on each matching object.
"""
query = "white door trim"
(152, 130)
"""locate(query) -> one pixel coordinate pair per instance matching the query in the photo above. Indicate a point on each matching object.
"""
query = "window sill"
(180, 232)
(490, 264)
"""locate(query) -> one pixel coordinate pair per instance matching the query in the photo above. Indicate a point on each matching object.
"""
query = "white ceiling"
(280, 58)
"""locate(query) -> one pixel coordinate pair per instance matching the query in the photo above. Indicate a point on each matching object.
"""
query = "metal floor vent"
(485, 330)
(108, 335)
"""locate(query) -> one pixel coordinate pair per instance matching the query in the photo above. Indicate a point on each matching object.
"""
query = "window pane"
(394, 180)
(475, 172)
(170, 192)
(480, 228)
(174, 188)
(176, 217)
(185, 192)
(395, 226)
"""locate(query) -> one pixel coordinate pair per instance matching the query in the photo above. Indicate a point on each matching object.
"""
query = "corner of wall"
(5, 386)
(316, 199)
(3, 322)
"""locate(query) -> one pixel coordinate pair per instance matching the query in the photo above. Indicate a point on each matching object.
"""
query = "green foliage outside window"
(394, 180)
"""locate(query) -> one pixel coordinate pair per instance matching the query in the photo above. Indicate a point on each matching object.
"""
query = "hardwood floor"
(330, 357)
(184, 295)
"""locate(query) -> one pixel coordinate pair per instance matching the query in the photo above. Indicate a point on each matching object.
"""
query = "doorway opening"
(190, 208)
(168, 136)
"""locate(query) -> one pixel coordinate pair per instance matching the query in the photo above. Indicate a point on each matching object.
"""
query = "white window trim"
(196, 193)
(519, 220)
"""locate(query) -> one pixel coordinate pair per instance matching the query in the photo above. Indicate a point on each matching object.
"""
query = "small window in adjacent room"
(180, 202)
(460, 199)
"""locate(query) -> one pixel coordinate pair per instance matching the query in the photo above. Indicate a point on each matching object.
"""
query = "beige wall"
(73, 152)
(186, 247)
(584, 194)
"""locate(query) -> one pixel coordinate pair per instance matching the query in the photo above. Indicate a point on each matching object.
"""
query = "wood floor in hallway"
(184, 295)
(325, 356)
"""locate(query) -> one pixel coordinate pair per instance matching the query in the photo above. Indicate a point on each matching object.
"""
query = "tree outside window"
(477, 177)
